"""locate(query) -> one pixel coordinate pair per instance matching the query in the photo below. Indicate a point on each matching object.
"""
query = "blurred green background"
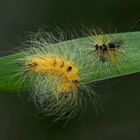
(120, 119)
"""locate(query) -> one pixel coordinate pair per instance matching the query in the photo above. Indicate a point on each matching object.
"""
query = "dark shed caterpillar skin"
(107, 48)
(108, 51)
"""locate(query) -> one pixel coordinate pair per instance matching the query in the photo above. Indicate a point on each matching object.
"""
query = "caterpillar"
(57, 76)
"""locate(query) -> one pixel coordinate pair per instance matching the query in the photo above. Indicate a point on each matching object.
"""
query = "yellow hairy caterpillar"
(58, 76)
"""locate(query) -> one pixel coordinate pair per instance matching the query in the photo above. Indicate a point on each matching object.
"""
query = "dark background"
(121, 116)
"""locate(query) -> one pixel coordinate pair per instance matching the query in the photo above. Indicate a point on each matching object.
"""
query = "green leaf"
(130, 63)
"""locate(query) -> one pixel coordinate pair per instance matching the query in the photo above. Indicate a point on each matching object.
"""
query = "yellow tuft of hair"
(57, 66)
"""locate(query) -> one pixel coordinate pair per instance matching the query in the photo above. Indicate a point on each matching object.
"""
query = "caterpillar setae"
(57, 75)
